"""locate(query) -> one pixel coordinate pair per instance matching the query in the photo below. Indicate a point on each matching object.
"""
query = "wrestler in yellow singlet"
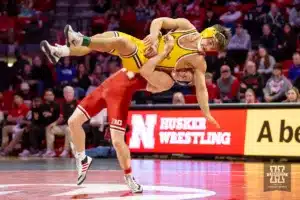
(135, 60)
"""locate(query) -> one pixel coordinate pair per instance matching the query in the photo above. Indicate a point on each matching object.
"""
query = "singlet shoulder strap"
(184, 34)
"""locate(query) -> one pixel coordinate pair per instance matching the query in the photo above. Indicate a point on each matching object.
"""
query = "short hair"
(278, 66)
(49, 90)
(68, 89)
(250, 90)
(179, 97)
(296, 53)
(208, 75)
(225, 66)
(223, 36)
(18, 94)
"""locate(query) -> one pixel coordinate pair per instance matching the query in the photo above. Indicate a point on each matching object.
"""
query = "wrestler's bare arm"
(157, 81)
(165, 23)
(201, 89)
(169, 23)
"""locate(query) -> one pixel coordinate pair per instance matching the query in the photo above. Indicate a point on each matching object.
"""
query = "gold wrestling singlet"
(135, 61)
(178, 52)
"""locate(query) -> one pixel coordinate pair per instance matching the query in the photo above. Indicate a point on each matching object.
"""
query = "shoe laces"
(132, 183)
(58, 50)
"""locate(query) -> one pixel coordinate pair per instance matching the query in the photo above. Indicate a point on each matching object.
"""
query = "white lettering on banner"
(216, 138)
(180, 123)
(173, 130)
(210, 138)
(142, 131)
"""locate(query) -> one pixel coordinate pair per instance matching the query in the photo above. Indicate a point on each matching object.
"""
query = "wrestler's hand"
(151, 51)
(213, 121)
(169, 44)
(150, 40)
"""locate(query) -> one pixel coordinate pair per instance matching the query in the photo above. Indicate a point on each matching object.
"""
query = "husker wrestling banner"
(186, 131)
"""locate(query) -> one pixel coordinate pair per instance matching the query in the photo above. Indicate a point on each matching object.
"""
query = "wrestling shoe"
(82, 168)
(73, 38)
(132, 184)
(53, 53)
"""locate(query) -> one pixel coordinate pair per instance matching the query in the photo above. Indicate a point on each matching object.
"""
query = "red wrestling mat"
(188, 180)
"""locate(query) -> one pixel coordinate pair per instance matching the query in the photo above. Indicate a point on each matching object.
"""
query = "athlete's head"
(69, 93)
(214, 39)
(49, 95)
(18, 99)
(183, 76)
(293, 95)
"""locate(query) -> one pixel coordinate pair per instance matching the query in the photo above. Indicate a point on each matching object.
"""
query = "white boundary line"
(113, 170)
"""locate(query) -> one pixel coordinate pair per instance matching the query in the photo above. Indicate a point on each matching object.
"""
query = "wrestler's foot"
(82, 168)
(73, 38)
(132, 184)
(53, 53)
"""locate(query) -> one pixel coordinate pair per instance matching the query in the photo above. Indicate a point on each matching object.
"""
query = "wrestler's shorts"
(115, 94)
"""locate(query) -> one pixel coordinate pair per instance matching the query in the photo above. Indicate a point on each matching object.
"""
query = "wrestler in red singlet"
(115, 94)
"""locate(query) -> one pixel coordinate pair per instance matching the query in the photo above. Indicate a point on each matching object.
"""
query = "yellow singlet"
(135, 61)
(178, 50)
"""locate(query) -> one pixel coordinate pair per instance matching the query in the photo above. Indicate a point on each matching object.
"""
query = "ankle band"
(86, 41)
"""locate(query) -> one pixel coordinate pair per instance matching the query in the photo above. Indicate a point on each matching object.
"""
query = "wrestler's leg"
(123, 45)
(82, 50)
(122, 149)
(76, 51)
(54, 53)
(77, 133)
(111, 42)
(77, 137)
(123, 154)
(118, 106)
(87, 108)
(105, 42)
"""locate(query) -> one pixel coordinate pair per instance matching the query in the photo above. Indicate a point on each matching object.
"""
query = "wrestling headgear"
(219, 33)
(208, 33)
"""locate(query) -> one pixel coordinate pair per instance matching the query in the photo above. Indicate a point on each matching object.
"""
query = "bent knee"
(117, 138)
(74, 121)
(118, 143)
(123, 42)
(77, 118)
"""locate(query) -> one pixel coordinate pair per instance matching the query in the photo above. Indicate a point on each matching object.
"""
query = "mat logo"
(143, 131)
(277, 177)
(277, 174)
(100, 192)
